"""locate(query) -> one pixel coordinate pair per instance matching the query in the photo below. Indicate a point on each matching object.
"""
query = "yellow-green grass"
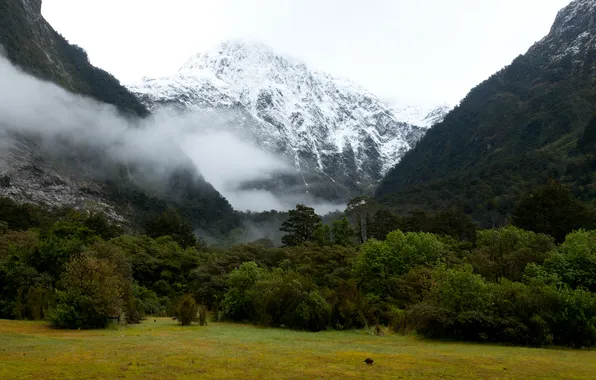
(164, 350)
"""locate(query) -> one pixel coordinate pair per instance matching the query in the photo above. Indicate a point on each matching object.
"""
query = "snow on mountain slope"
(422, 116)
(330, 129)
(573, 34)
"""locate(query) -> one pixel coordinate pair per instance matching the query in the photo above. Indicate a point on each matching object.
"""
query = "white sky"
(414, 51)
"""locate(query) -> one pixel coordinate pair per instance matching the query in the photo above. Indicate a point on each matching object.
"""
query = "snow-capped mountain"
(573, 33)
(421, 116)
(330, 129)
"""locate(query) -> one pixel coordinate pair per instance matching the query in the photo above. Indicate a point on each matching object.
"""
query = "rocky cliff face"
(331, 130)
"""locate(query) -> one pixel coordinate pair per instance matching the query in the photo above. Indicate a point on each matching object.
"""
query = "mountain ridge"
(533, 111)
(327, 127)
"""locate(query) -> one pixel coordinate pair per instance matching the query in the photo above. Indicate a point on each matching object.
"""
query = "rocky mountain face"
(48, 155)
(340, 138)
(513, 131)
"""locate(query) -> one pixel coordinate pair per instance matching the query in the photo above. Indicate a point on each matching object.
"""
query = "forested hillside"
(525, 124)
(32, 44)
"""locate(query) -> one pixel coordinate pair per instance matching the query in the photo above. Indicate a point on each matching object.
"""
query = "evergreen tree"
(300, 225)
(322, 235)
(360, 210)
(553, 210)
(384, 222)
(171, 223)
(342, 232)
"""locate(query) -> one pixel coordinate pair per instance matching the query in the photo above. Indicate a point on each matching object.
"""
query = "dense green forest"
(437, 274)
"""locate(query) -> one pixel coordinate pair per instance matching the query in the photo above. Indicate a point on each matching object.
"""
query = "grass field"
(163, 350)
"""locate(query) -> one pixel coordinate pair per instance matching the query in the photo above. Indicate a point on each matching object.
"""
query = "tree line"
(528, 283)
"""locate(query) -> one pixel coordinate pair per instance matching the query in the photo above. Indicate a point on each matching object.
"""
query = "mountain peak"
(575, 19)
(329, 128)
(238, 55)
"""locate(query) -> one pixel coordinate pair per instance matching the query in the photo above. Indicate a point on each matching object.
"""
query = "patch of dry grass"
(163, 350)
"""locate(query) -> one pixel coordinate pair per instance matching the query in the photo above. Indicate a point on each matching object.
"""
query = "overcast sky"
(414, 51)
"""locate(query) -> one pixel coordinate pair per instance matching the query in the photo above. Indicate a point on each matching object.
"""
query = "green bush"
(187, 310)
(349, 309)
(238, 301)
(202, 311)
(89, 293)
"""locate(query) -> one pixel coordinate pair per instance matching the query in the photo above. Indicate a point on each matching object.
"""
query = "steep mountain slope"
(513, 131)
(336, 134)
(63, 168)
(32, 44)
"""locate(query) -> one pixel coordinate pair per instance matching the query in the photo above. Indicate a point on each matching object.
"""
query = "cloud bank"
(160, 143)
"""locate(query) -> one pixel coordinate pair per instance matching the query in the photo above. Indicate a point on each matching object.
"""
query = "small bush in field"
(203, 315)
(187, 311)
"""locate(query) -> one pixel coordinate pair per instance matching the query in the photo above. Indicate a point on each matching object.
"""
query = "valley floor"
(163, 350)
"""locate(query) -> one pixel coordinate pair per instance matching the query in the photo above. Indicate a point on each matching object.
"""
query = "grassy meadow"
(164, 350)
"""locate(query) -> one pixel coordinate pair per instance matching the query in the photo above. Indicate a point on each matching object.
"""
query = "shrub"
(379, 262)
(215, 312)
(203, 315)
(349, 309)
(187, 311)
(90, 292)
(397, 320)
(238, 300)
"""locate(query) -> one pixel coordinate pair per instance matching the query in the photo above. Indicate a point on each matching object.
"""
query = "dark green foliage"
(63, 243)
(384, 222)
(170, 223)
(360, 210)
(209, 278)
(100, 224)
(506, 285)
(288, 299)
(505, 252)
(187, 311)
(349, 308)
(342, 233)
(461, 305)
(148, 301)
(587, 142)
(554, 211)
(300, 225)
(327, 266)
(89, 293)
(322, 235)
(20, 217)
(448, 222)
(202, 315)
(215, 312)
(34, 303)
